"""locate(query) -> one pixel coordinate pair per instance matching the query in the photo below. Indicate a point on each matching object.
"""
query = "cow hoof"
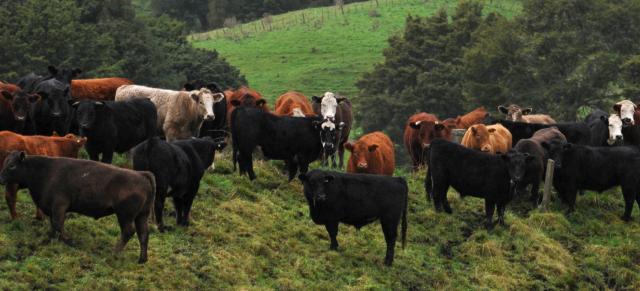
(388, 262)
(626, 218)
(142, 260)
(489, 226)
(333, 248)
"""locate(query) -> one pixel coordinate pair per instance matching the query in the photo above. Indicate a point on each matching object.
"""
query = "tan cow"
(514, 112)
(491, 139)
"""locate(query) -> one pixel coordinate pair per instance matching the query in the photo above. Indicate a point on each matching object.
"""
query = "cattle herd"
(172, 137)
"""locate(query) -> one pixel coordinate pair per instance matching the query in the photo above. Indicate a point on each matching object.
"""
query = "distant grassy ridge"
(326, 52)
(258, 235)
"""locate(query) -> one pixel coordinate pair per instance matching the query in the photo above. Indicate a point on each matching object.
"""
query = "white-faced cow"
(180, 113)
(337, 120)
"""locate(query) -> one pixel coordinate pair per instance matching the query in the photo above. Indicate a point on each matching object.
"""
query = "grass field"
(259, 236)
(328, 52)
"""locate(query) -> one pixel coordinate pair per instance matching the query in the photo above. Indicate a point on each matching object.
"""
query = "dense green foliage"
(258, 235)
(556, 56)
(103, 38)
(208, 14)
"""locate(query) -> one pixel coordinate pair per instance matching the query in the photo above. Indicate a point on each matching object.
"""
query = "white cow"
(180, 113)
(615, 129)
(625, 109)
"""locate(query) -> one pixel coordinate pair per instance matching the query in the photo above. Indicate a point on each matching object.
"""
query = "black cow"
(581, 167)
(576, 132)
(178, 166)
(53, 112)
(296, 140)
(15, 111)
(598, 124)
(61, 185)
(216, 128)
(28, 82)
(471, 173)
(115, 126)
(357, 199)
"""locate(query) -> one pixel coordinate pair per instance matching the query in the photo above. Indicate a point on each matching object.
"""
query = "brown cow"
(54, 146)
(491, 139)
(474, 117)
(103, 89)
(419, 131)
(293, 104)
(11, 88)
(243, 96)
(371, 154)
(515, 113)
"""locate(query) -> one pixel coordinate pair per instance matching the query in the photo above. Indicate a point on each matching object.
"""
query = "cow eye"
(12, 166)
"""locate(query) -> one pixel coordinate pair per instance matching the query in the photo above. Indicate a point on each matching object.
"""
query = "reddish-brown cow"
(243, 96)
(419, 131)
(293, 104)
(54, 146)
(103, 89)
(371, 154)
(474, 117)
(11, 88)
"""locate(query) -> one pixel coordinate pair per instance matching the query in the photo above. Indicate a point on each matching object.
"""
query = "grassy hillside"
(259, 236)
(328, 51)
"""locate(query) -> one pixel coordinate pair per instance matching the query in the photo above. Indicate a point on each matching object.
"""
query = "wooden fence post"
(548, 181)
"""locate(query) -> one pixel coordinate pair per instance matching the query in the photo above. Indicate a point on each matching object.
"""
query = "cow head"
(21, 103)
(77, 140)
(430, 130)
(614, 123)
(514, 112)
(55, 96)
(625, 109)
(330, 135)
(328, 104)
(205, 99)
(64, 75)
(315, 185)
(556, 151)
(517, 164)
(248, 100)
(12, 169)
(86, 114)
(361, 152)
(480, 136)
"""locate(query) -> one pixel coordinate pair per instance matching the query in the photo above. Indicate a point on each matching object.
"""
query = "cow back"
(287, 102)
(102, 89)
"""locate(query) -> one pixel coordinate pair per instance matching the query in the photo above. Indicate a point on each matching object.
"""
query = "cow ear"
(75, 72)
(303, 177)
(235, 102)
(316, 99)
(348, 146)
(503, 109)
(373, 147)
(527, 111)
(474, 130)
(616, 108)
(188, 87)
(439, 126)
(99, 103)
(195, 96)
(261, 102)
(340, 99)
(6, 95)
(491, 130)
(213, 87)
(33, 98)
(52, 70)
(604, 119)
(328, 178)
(22, 155)
(74, 104)
(415, 125)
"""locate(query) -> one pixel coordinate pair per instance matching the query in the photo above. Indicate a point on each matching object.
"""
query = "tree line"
(202, 15)
(560, 57)
(103, 38)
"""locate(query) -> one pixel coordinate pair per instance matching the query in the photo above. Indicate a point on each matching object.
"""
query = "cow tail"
(404, 216)
(152, 200)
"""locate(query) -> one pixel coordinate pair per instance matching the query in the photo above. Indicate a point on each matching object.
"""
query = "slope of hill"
(258, 235)
(326, 52)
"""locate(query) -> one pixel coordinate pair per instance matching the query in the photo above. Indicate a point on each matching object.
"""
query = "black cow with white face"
(115, 126)
(357, 199)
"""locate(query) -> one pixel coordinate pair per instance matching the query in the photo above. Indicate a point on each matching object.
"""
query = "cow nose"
(362, 165)
(56, 114)
(84, 125)
(20, 118)
(210, 117)
(618, 137)
(425, 145)
(486, 149)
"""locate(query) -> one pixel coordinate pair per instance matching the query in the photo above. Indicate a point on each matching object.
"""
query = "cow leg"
(535, 191)
(428, 186)
(293, 169)
(324, 158)
(58, 212)
(489, 208)
(341, 155)
(126, 231)
(39, 213)
(390, 230)
(332, 229)
(159, 212)
(333, 161)
(501, 208)
(94, 155)
(10, 195)
(142, 230)
(179, 205)
(629, 199)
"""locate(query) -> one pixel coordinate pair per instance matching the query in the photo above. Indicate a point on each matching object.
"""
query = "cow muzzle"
(20, 117)
(627, 121)
(486, 149)
(209, 117)
(56, 113)
(362, 165)
(425, 145)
